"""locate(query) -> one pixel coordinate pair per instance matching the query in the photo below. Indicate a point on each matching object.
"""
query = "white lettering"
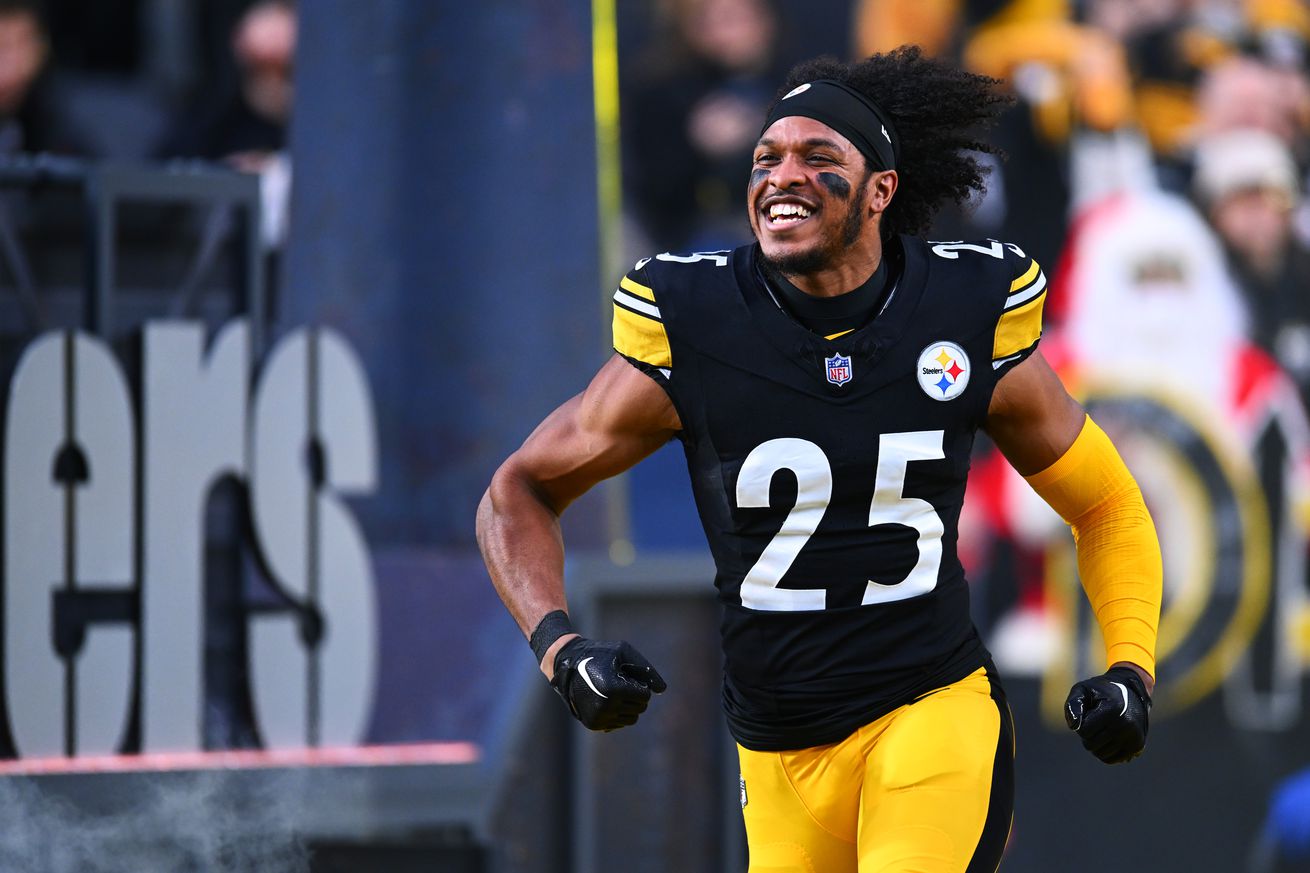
(194, 409)
(70, 537)
(313, 399)
(69, 464)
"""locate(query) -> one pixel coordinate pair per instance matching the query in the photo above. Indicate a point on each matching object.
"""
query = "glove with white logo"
(1111, 713)
(606, 684)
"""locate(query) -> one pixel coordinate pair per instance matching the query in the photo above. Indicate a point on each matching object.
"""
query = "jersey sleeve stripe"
(1028, 293)
(1018, 329)
(634, 287)
(996, 365)
(636, 304)
(641, 338)
(1027, 277)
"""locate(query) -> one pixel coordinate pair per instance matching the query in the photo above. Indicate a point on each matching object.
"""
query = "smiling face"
(811, 198)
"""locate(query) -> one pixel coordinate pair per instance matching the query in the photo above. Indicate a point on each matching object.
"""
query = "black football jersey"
(829, 474)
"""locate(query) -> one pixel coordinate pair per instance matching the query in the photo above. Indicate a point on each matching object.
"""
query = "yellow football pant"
(927, 788)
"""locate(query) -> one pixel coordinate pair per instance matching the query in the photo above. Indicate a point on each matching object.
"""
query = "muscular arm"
(1032, 419)
(1034, 422)
(620, 418)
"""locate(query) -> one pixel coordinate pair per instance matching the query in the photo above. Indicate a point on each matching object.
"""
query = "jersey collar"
(806, 349)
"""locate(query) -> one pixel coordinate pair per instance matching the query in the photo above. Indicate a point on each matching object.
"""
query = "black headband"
(846, 111)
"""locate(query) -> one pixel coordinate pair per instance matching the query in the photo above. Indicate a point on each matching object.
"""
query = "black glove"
(605, 683)
(1111, 714)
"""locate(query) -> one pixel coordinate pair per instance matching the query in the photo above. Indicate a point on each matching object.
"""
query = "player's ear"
(882, 187)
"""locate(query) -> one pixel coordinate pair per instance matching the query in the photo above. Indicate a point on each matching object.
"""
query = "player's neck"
(829, 316)
(858, 263)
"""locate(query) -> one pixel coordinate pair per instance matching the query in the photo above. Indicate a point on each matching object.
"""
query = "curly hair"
(938, 112)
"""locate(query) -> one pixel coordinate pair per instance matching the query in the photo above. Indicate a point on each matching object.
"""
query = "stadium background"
(445, 202)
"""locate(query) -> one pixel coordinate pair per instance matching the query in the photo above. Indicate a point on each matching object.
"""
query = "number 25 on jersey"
(759, 587)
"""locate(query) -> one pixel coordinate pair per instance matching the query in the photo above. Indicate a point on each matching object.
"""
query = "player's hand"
(1111, 714)
(605, 683)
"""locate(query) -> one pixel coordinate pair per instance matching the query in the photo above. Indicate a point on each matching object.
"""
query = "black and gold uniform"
(829, 473)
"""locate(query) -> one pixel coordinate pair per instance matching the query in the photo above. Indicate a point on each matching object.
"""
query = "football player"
(827, 383)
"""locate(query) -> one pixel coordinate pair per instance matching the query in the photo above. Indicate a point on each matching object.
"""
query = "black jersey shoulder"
(1002, 288)
(665, 300)
(691, 280)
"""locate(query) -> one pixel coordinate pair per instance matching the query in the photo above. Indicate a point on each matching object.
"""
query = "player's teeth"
(779, 210)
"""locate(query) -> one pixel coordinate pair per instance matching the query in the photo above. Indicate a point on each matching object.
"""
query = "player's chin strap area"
(1118, 552)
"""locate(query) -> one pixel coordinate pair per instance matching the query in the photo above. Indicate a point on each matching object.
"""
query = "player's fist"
(1111, 714)
(606, 684)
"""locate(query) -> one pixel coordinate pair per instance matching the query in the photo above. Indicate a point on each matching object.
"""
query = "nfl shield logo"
(839, 369)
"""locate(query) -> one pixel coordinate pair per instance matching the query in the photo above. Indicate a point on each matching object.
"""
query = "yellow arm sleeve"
(1118, 552)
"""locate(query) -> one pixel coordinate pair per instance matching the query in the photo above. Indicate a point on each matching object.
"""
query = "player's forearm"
(519, 535)
(1119, 564)
(1118, 552)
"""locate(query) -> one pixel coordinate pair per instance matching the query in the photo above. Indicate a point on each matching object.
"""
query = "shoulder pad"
(652, 294)
(1020, 292)
(639, 333)
(1020, 325)
(669, 268)
(985, 254)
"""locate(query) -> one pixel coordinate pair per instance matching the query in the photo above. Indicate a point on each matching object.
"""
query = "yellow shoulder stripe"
(1018, 329)
(641, 338)
(637, 288)
(833, 336)
(1027, 277)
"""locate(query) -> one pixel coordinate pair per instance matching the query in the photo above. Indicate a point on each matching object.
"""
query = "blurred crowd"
(145, 80)
(134, 79)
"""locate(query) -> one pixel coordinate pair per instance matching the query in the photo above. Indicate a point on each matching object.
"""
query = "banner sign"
(105, 494)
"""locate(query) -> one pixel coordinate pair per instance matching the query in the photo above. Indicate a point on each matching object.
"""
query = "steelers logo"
(943, 371)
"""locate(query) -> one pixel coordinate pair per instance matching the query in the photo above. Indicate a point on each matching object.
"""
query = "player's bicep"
(1031, 418)
(621, 417)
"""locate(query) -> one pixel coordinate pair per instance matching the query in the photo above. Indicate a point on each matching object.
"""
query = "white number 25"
(759, 588)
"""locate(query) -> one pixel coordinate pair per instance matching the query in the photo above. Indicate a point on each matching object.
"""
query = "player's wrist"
(552, 654)
(551, 634)
(1148, 681)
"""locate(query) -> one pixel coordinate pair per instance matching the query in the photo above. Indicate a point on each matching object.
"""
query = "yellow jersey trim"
(1018, 329)
(642, 338)
(637, 288)
(1027, 277)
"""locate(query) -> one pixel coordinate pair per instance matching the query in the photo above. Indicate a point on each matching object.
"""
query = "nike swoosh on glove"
(606, 684)
(1111, 714)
